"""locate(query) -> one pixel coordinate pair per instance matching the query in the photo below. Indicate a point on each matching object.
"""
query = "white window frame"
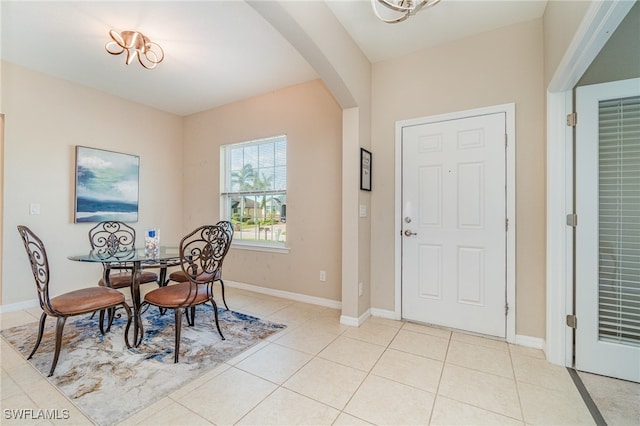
(226, 193)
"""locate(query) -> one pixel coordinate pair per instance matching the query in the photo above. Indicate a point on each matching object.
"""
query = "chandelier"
(393, 11)
(137, 45)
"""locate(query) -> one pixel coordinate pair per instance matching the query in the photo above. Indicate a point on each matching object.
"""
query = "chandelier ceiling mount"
(394, 11)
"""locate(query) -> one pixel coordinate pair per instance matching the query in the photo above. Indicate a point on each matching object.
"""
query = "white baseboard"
(530, 342)
(353, 321)
(335, 304)
(383, 313)
(28, 304)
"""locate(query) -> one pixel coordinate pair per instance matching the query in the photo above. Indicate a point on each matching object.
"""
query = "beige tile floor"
(617, 400)
(319, 371)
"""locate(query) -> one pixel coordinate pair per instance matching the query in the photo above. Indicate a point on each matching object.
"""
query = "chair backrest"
(112, 238)
(227, 226)
(39, 266)
(202, 251)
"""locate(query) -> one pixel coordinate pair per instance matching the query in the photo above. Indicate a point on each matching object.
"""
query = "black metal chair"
(202, 252)
(77, 302)
(180, 276)
(112, 239)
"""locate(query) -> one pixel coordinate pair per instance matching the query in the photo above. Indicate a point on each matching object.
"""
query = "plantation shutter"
(619, 221)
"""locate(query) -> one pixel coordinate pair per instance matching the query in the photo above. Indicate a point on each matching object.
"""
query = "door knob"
(408, 233)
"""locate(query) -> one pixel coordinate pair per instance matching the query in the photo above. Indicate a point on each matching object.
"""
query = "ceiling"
(217, 52)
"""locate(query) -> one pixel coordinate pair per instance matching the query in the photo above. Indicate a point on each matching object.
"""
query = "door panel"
(453, 202)
(430, 271)
(608, 232)
(471, 275)
(471, 183)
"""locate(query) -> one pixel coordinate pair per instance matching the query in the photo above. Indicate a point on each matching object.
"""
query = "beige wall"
(312, 120)
(561, 21)
(497, 67)
(619, 59)
(45, 118)
(39, 168)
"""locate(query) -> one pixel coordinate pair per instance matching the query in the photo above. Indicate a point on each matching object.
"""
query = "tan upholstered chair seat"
(123, 279)
(180, 276)
(86, 300)
(182, 294)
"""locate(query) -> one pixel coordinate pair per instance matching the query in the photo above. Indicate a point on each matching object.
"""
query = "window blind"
(619, 221)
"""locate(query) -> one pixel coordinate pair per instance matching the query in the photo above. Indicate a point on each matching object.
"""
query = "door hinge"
(506, 309)
(572, 119)
(506, 225)
(572, 321)
(572, 220)
(506, 140)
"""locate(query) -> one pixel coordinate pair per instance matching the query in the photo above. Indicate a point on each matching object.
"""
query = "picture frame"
(106, 185)
(365, 169)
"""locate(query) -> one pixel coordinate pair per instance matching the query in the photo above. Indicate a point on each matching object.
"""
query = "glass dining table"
(137, 260)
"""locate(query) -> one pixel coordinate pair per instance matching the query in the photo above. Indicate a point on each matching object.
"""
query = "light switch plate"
(363, 210)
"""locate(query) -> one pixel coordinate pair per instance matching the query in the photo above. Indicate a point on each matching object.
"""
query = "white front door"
(453, 223)
(608, 230)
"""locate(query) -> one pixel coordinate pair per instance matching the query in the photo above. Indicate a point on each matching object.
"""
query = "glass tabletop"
(165, 254)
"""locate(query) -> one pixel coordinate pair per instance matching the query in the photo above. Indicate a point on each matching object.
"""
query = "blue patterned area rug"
(109, 382)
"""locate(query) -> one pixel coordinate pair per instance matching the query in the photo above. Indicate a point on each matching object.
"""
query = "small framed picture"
(365, 170)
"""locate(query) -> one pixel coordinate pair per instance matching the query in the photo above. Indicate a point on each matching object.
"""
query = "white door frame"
(599, 22)
(509, 110)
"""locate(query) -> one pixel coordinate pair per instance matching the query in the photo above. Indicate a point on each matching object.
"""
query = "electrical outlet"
(323, 276)
(34, 208)
(360, 289)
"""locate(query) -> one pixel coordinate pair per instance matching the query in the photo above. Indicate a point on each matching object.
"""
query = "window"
(619, 221)
(254, 190)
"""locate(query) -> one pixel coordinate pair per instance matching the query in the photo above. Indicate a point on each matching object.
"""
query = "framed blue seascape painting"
(106, 185)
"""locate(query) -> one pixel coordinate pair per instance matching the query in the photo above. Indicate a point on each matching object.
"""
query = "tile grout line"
(515, 382)
(386, 347)
(281, 385)
(447, 362)
(437, 392)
